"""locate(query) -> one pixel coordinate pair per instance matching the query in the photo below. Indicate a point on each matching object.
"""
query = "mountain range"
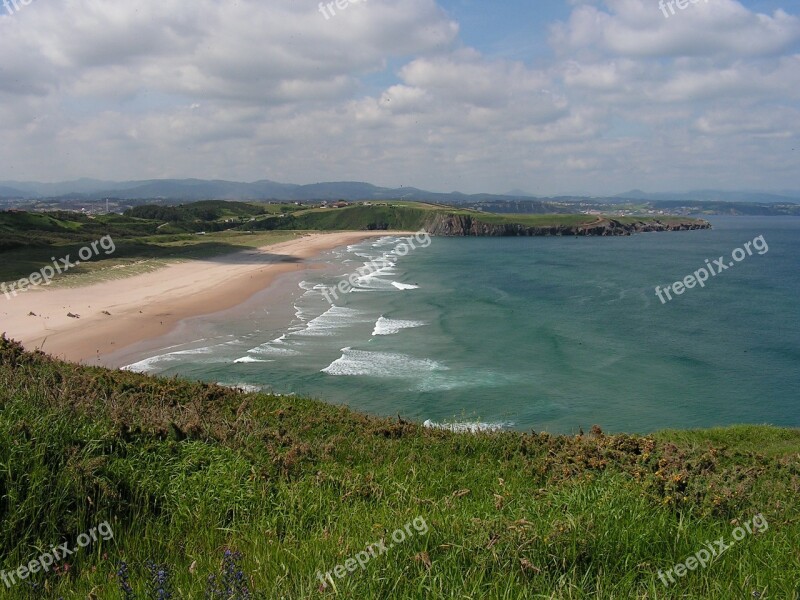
(201, 189)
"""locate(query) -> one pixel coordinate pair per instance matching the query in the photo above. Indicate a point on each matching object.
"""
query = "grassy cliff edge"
(183, 471)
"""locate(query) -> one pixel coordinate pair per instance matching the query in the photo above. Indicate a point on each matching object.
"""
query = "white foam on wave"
(332, 320)
(302, 313)
(468, 427)
(384, 326)
(245, 387)
(306, 285)
(380, 364)
(386, 241)
(277, 347)
(366, 273)
(250, 359)
(143, 366)
(378, 271)
(150, 364)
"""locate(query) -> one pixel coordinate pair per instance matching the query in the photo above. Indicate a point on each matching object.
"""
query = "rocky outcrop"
(466, 225)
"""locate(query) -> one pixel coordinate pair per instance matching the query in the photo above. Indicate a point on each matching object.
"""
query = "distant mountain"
(80, 186)
(188, 190)
(10, 192)
(520, 193)
(201, 189)
(198, 189)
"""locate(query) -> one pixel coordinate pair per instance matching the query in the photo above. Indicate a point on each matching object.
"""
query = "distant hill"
(10, 192)
(192, 190)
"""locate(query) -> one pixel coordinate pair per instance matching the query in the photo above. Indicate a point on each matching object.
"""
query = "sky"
(551, 97)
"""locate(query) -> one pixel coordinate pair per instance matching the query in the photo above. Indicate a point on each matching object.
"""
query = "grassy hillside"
(32, 229)
(189, 475)
(408, 216)
(414, 216)
(404, 216)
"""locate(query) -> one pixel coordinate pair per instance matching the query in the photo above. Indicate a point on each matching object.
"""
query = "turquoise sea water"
(532, 333)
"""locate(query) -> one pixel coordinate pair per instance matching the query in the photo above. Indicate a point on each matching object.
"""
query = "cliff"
(448, 224)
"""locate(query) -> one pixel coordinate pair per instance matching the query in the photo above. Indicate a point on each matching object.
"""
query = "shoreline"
(274, 303)
(151, 305)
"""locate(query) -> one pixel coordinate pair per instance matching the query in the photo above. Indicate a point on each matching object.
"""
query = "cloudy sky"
(548, 96)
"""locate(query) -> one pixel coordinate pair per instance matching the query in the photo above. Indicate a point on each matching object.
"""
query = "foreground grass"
(182, 471)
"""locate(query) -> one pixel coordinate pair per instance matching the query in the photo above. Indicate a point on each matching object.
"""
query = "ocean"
(543, 334)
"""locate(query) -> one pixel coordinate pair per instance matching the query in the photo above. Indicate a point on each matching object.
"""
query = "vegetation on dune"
(208, 489)
(134, 255)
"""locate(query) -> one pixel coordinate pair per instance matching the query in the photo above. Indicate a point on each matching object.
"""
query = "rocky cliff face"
(466, 225)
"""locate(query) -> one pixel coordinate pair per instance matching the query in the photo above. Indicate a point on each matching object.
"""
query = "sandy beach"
(152, 304)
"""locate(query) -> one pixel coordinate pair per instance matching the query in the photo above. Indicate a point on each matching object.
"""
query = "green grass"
(134, 255)
(183, 470)
(406, 216)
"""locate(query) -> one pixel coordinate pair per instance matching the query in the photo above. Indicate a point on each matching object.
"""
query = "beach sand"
(150, 305)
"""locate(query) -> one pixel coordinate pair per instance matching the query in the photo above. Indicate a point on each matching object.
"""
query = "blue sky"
(579, 96)
(513, 29)
(518, 29)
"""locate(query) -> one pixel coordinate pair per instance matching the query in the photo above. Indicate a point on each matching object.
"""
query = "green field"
(184, 471)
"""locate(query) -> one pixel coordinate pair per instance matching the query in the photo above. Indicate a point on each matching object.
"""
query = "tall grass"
(200, 483)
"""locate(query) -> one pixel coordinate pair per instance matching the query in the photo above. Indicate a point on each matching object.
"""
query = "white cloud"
(387, 91)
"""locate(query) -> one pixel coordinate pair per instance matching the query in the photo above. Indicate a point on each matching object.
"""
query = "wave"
(250, 359)
(380, 364)
(245, 387)
(372, 275)
(149, 365)
(468, 427)
(277, 347)
(333, 319)
(144, 366)
(384, 326)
